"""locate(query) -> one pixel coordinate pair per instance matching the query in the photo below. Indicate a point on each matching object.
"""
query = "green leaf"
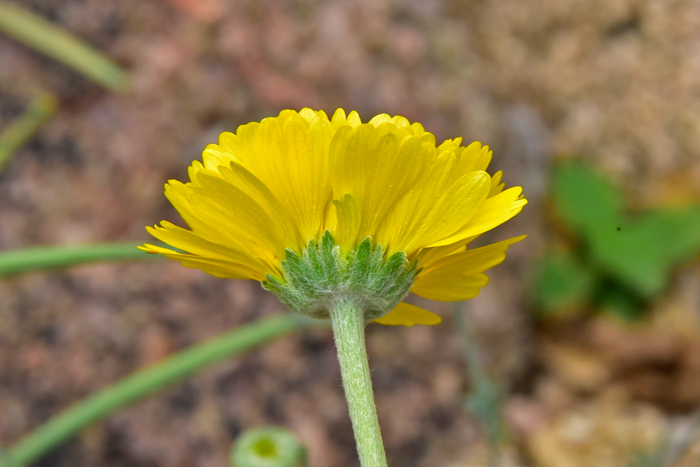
(561, 283)
(639, 251)
(617, 302)
(584, 198)
(642, 251)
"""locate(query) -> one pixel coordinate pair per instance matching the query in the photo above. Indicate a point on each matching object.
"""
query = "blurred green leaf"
(585, 199)
(638, 251)
(23, 128)
(618, 302)
(57, 43)
(561, 283)
(643, 251)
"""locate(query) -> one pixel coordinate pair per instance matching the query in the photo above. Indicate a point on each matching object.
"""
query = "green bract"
(313, 282)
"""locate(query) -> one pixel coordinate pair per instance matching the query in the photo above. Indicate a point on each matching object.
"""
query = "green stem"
(147, 382)
(469, 345)
(486, 399)
(348, 321)
(48, 257)
(57, 43)
(24, 127)
(5, 459)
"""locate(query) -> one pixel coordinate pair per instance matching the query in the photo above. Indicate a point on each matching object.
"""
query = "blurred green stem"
(49, 257)
(57, 43)
(23, 128)
(472, 355)
(149, 381)
(5, 460)
(486, 398)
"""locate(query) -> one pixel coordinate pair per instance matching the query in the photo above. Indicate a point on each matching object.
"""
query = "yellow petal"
(418, 130)
(474, 157)
(353, 119)
(379, 119)
(408, 315)
(376, 166)
(492, 212)
(259, 259)
(496, 185)
(397, 121)
(450, 145)
(214, 156)
(434, 209)
(289, 155)
(231, 147)
(222, 213)
(400, 121)
(338, 118)
(341, 119)
(192, 243)
(347, 222)
(459, 276)
(429, 255)
(215, 267)
(311, 115)
(203, 220)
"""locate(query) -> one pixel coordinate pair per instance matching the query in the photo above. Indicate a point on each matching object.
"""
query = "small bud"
(268, 447)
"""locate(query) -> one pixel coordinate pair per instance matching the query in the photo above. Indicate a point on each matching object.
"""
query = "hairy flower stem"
(348, 321)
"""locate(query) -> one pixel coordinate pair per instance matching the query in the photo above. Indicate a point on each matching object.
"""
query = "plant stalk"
(41, 258)
(25, 126)
(348, 322)
(57, 43)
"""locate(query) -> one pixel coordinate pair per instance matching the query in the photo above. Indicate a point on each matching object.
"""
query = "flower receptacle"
(313, 282)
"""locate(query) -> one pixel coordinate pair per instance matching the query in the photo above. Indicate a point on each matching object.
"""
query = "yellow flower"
(273, 187)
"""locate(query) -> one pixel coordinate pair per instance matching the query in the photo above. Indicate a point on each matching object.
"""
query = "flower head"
(301, 196)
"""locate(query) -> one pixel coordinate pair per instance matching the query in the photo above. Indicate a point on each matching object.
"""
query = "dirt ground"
(616, 82)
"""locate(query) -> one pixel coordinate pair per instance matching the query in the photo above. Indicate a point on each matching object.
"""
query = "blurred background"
(614, 83)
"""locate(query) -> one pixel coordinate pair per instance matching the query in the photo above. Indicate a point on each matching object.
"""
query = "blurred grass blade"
(5, 460)
(147, 382)
(23, 128)
(55, 42)
(49, 257)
